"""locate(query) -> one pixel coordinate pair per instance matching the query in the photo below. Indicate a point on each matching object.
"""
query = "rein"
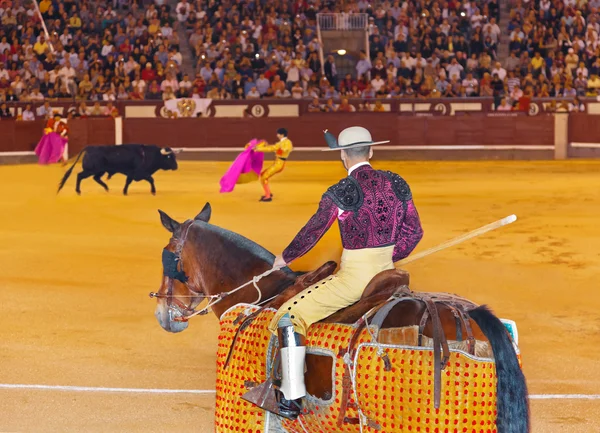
(218, 298)
(173, 270)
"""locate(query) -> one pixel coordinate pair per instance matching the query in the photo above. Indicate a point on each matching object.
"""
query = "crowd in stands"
(555, 48)
(416, 49)
(420, 49)
(87, 52)
(246, 49)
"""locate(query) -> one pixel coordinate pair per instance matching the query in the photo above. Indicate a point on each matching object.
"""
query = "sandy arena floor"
(76, 271)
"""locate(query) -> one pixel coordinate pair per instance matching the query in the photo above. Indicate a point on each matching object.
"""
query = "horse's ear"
(169, 223)
(204, 214)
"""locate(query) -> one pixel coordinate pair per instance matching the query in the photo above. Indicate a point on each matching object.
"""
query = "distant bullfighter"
(136, 161)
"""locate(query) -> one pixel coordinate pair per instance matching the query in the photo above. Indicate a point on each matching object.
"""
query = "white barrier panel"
(118, 130)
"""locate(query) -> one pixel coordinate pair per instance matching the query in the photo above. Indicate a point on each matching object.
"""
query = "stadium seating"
(127, 50)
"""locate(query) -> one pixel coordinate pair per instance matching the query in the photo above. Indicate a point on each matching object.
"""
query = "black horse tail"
(69, 171)
(512, 400)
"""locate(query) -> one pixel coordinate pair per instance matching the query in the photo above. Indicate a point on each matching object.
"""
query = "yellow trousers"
(338, 291)
(272, 170)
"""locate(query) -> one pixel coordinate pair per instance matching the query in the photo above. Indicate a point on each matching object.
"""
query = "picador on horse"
(380, 356)
(379, 225)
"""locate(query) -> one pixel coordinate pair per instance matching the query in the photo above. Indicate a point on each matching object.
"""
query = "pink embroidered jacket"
(374, 208)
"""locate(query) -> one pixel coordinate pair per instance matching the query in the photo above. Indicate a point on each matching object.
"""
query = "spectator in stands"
(253, 93)
(345, 107)
(82, 110)
(10, 95)
(512, 62)
(263, 84)
(471, 85)
(168, 93)
(110, 110)
(297, 91)
(504, 105)
(27, 114)
(365, 106)
(4, 111)
(315, 106)
(580, 84)
(537, 64)
(277, 85)
(576, 106)
(499, 70)
(485, 86)
(44, 111)
(497, 85)
(594, 82)
(378, 108)
(516, 93)
(330, 106)
(185, 87)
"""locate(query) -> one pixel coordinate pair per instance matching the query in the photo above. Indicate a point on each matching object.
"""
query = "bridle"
(173, 270)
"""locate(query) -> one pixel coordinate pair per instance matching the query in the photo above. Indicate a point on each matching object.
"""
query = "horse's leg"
(127, 183)
(151, 181)
(82, 175)
(98, 179)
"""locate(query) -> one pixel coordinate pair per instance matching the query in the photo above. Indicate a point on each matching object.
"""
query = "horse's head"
(203, 261)
(180, 291)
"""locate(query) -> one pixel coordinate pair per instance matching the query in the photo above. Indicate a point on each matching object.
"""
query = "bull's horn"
(165, 152)
(177, 151)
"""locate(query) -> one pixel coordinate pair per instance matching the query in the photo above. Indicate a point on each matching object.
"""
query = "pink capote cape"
(246, 168)
(50, 148)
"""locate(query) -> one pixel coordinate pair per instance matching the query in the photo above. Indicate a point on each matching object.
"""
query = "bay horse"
(205, 262)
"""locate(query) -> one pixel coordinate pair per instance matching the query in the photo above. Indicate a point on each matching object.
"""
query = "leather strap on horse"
(380, 314)
(247, 320)
(439, 338)
(459, 307)
(348, 355)
(466, 320)
(439, 342)
(378, 320)
(470, 338)
(403, 293)
(422, 325)
(461, 318)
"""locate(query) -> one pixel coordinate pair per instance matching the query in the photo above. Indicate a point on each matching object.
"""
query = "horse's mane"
(250, 246)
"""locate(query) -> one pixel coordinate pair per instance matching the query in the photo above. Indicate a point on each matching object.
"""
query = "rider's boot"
(293, 353)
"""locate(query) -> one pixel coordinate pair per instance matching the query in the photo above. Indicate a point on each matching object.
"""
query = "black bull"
(136, 161)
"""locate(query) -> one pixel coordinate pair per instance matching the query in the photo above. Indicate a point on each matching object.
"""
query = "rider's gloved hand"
(279, 263)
